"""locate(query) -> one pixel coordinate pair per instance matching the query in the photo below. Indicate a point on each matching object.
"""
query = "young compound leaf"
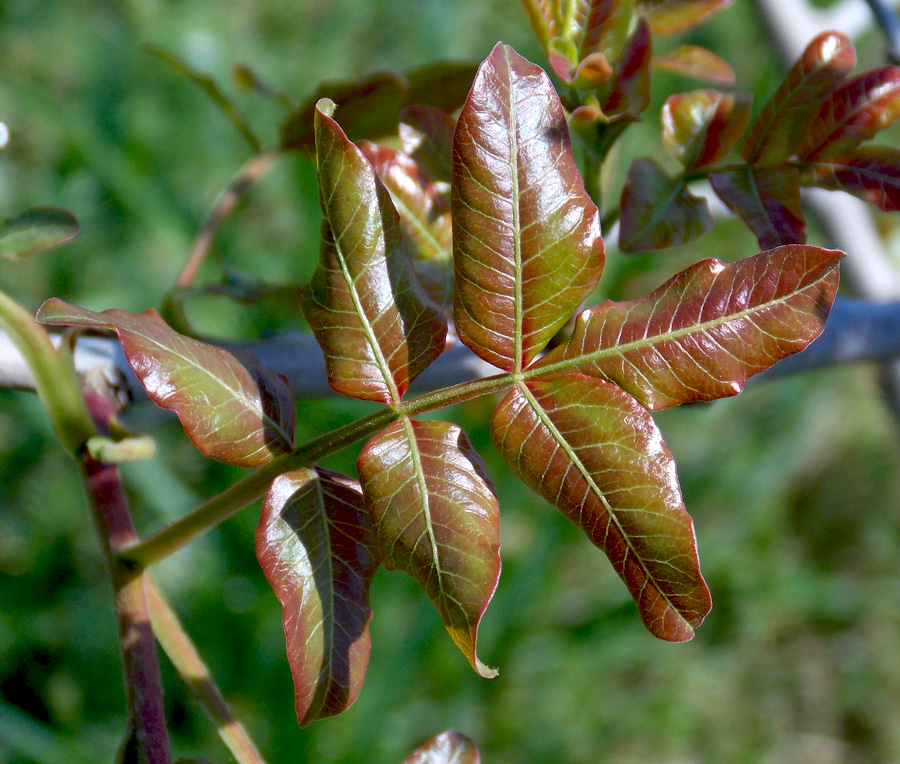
(436, 518)
(658, 211)
(701, 127)
(314, 544)
(871, 172)
(786, 117)
(364, 303)
(447, 748)
(602, 26)
(424, 216)
(698, 63)
(231, 407)
(427, 137)
(629, 93)
(595, 453)
(706, 330)
(767, 200)
(853, 113)
(526, 236)
(35, 230)
(673, 16)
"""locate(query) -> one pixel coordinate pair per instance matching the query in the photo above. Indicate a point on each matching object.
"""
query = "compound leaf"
(787, 116)
(698, 63)
(871, 172)
(595, 453)
(314, 544)
(436, 518)
(447, 748)
(701, 127)
(35, 230)
(424, 216)
(706, 330)
(658, 211)
(672, 16)
(853, 113)
(767, 200)
(526, 235)
(231, 407)
(376, 325)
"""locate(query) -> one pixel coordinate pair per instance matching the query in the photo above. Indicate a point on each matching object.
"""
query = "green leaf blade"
(705, 331)
(526, 236)
(231, 407)
(447, 748)
(436, 518)
(35, 230)
(542, 19)
(594, 453)
(658, 211)
(369, 313)
(787, 116)
(315, 547)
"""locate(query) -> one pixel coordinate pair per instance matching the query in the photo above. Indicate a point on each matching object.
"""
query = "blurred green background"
(793, 485)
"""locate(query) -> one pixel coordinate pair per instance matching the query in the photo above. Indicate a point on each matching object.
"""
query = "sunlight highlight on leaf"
(447, 748)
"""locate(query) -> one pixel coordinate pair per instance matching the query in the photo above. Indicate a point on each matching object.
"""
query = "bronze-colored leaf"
(697, 63)
(447, 748)
(673, 16)
(871, 172)
(701, 127)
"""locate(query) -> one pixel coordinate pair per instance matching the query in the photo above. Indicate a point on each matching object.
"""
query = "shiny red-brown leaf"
(602, 26)
(786, 117)
(231, 407)
(701, 127)
(526, 235)
(629, 92)
(706, 330)
(853, 113)
(427, 136)
(594, 452)
(871, 172)
(315, 547)
(365, 305)
(657, 211)
(767, 200)
(697, 63)
(436, 518)
(673, 16)
(447, 748)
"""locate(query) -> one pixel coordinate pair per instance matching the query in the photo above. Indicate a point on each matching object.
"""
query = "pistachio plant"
(481, 230)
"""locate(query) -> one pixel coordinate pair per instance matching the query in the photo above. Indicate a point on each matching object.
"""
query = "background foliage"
(793, 485)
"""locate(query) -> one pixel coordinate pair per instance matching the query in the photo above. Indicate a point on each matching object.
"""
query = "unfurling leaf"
(231, 407)
(447, 748)
(701, 127)
(871, 172)
(315, 546)
(369, 313)
(424, 217)
(526, 236)
(787, 116)
(35, 230)
(602, 26)
(629, 92)
(427, 137)
(658, 211)
(698, 63)
(767, 200)
(853, 113)
(672, 16)
(706, 330)
(595, 453)
(436, 518)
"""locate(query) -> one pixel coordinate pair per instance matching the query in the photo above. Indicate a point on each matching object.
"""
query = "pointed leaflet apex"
(526, 236)
(364, 303)
(231, 407)
(314, 544)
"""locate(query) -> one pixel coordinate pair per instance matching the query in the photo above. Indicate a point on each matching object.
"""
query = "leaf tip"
(326, 106)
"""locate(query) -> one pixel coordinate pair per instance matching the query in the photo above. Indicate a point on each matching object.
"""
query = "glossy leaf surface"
(367, 309)
(526, 235)
(314, 545)
(672, 16)
(447, 748)
(658, 211)
(602, 26)
(698, 63)
(629, 93)
(767, 200)
(231, 407)
(871, 173)
(595, 453)
(706, 330)
(436, 518)
(701, 127)
(424, 217)
(35, 230)
(787, 116)
(854, 113)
